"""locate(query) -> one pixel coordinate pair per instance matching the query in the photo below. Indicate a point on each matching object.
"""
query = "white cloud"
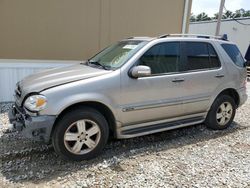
(208, 6)
(234, 4)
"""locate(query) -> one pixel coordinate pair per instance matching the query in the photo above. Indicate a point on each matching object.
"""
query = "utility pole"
(222, 3)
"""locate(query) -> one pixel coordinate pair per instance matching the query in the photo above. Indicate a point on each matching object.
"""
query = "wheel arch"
(100, 107)
(232, 93)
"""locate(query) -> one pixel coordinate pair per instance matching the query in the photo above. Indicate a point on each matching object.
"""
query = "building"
(77, 29)
(40, 34)
(238, 30)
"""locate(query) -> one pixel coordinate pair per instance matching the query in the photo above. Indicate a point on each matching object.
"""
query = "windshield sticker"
(129, 46)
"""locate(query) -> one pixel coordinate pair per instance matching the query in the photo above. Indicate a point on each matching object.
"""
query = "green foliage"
(228, 14)
(202, 17)
(241, 13)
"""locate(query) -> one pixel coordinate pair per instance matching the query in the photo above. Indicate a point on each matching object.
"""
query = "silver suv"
(135, 87)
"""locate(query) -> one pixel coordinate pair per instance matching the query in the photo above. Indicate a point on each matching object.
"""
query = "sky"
(212, 6)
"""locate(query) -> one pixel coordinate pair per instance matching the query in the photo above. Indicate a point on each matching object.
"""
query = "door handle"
(178, 80)
(219, 75)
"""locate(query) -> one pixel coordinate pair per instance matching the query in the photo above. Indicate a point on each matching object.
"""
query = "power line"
(241, 22)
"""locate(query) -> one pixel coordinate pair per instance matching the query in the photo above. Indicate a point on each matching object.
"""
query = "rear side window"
(234, 53)
(200, 55)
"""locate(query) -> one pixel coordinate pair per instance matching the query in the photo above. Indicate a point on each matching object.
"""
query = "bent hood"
(58, 76)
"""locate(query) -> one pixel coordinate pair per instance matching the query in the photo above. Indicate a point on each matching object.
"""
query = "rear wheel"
(81, 134)
(221, 113)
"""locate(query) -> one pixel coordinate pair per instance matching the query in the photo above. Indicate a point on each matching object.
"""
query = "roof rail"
(224, 37)
(135, 37)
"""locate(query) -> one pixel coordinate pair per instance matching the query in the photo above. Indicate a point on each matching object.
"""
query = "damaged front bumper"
(37, 128)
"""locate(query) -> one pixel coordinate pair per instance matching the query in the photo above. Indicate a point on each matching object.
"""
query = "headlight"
(35, 102)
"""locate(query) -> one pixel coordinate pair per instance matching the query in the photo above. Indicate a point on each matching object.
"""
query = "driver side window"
(162, 58)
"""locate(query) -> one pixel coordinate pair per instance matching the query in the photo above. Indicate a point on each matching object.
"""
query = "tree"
(239, 13)
(202, 17)
(192, 18)
(216, 15)
(228, 14)
(246, 13)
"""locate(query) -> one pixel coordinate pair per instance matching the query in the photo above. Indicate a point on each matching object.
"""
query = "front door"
(157, 96)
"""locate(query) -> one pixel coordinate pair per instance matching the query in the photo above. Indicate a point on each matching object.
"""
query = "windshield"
(116, 55)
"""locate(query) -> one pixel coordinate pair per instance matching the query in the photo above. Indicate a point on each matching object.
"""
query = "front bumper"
(37, 128)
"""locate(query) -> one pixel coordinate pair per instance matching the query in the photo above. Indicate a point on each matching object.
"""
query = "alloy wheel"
(224, 113)
(82, 136)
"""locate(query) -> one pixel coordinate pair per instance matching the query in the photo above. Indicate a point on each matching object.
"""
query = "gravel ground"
(187, 157)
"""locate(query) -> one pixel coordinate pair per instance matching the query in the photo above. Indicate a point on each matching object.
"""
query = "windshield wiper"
(89, 62)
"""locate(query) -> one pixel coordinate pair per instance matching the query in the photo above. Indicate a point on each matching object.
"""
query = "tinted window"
(234, 53)
(197, 56)
(162, 58)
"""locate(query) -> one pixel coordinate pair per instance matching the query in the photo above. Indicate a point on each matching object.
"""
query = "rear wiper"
(98, 64)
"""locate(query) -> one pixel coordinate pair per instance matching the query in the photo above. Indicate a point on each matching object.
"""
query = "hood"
(58, 76)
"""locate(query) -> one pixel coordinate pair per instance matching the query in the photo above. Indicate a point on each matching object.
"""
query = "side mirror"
(140, 71)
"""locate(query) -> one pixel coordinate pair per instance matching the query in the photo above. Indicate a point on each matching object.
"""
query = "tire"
(80, 134)
(221, 113)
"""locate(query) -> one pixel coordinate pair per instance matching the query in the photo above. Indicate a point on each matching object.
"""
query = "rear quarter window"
(234, 53)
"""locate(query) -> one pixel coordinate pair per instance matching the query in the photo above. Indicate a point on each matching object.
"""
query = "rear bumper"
(37, 128)
(243, 95)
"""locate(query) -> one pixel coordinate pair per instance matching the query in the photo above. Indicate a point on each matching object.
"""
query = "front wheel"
(80, 134)
(221, 113)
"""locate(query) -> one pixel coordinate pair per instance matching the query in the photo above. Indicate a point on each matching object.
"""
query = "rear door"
(202, 73)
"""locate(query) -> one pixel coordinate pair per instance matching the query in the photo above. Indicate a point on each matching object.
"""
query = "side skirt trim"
(153, 128)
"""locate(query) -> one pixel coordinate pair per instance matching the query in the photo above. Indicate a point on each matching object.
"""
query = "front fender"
(56, 105)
